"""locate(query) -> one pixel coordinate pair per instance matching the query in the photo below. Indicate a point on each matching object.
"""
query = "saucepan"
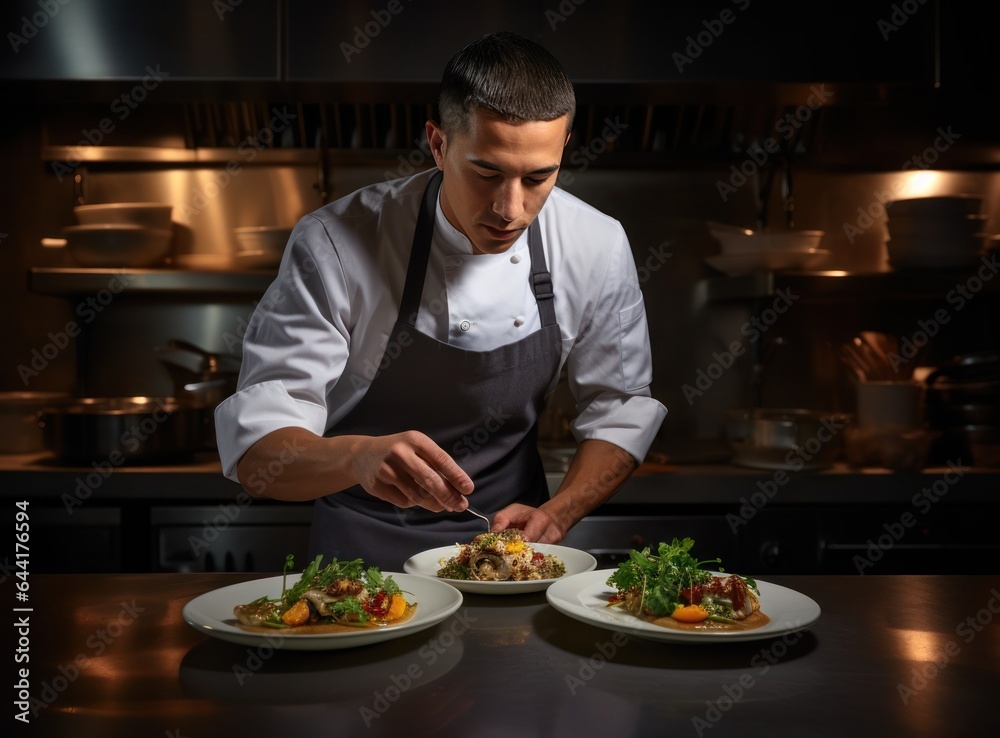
(19, 431)
(120, 430)
(795, 439)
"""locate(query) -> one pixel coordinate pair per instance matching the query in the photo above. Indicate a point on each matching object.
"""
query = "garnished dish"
(341, 596)
(503, 556)
(671, 589)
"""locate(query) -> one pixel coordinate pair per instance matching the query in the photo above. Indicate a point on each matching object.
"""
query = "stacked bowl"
(942, 232)
(120, 234)
(260, 247)
(745, 251)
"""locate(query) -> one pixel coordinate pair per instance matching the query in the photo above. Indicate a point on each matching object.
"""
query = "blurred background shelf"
(68, 282)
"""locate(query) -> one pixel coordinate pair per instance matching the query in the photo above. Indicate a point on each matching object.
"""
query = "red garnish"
(538, 558)
(377, 606)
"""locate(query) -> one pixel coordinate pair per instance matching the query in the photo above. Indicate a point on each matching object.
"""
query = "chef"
(395, 369)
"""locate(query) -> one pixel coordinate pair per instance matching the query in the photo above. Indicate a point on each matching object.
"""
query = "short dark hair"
(508, 75)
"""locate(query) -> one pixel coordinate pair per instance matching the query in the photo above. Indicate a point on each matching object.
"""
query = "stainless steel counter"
(889, 656)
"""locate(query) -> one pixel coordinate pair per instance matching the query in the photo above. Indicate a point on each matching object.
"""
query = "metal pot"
(19, 429)
(204, 378)
(119, 430)
(785, 438)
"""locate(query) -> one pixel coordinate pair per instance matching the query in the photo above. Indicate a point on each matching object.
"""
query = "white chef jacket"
(317, 336)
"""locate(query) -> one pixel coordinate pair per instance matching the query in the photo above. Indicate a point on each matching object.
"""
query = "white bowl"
(113, 245)
(735, 241)
(766, 261)
(150, 214)
(262, 238)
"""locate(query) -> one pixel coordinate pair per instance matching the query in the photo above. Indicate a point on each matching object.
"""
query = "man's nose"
(509, 201)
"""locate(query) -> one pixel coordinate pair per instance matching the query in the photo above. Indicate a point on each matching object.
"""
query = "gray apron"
(481, 407)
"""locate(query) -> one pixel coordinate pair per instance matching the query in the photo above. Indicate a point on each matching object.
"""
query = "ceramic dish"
(426, 564)
(212, 614)
(735, 265)
(584, 597)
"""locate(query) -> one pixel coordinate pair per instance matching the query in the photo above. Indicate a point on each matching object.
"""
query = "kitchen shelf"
(915, 285)
(65, 282)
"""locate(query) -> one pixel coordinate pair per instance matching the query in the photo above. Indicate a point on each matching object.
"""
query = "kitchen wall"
(664, 211)
(663, 174)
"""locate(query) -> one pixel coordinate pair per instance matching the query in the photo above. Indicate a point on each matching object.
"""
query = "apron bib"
(481, 407)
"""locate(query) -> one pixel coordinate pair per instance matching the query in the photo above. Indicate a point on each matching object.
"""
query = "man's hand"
(409, 470)
(537, 525)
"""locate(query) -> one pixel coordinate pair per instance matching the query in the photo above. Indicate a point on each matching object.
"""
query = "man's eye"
(534, 181)
(487, 176)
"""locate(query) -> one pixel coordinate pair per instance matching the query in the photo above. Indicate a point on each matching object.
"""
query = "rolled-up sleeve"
(294, 349)
(610, 366)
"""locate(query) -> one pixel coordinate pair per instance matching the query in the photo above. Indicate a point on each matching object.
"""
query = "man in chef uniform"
(395, 370)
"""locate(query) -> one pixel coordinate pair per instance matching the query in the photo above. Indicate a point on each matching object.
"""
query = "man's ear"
(437, 141)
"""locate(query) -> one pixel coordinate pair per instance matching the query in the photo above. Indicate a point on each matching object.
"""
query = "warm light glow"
(924, 183)
(921, 645)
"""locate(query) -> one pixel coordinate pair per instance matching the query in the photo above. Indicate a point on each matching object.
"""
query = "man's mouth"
(502, 233)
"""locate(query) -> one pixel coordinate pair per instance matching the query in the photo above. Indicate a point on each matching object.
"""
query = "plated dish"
(584, 597)
(212, 614)
(428, 563)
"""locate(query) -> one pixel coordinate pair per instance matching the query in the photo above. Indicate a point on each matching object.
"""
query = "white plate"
(257, 259)
(584, 597)
(212, 614)
(765, 261)
(427, 563)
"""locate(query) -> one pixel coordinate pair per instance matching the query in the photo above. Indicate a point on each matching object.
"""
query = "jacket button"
(465, 325)
(518, 321)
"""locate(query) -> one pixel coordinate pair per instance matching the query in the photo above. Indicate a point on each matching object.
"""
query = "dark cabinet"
(398, 40)
(121, 39)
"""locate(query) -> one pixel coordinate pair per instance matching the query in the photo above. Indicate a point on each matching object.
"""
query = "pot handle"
(211, 359)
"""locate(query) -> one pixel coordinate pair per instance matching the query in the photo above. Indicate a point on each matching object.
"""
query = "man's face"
(497, 175)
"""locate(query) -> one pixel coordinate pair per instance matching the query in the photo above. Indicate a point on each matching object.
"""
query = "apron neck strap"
(419, 252)
(541, 279)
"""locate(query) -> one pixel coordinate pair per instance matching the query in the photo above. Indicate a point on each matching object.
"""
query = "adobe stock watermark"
(869, 215)
(87, 311)
(363, 35)
(603, 653)
(752, 329)
(901, 13)
(229, 512)
(958, 297)
(468, 444)
(561, 12)
(795, 461)
(130, 440)
(699, 42)
(761, 663)
(247, 151)
(429, 653)
(966, 630)
(30, 26)
(257, 657)
(923, 501)
(223, 7)
(656, 257)
(759, 153)
(584, 156)
(419, 158)
(97, 643)
(121, 108)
